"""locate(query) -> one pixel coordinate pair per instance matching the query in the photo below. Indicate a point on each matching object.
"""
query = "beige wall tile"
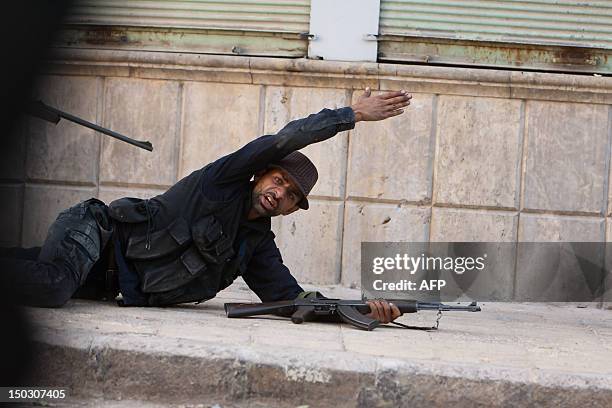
(566, 152)
(217, 120)
(498, 232)
(311, 242)
(459, 225)
(11, 208)
(478, 152)
(13, 151)
(143, 110)
(371, 222)
(553, 228)
(66, 151)
(392, 159)
(552, 273)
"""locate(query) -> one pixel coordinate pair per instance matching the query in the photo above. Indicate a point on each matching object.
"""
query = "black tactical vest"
(181, 243)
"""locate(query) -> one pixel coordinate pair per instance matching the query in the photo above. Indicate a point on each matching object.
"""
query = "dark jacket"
(194, 240)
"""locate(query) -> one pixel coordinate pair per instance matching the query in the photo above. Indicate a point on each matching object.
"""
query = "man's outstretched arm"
(300, 133)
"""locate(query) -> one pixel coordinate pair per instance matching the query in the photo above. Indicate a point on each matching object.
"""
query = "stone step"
(506, 355)
(105, 403)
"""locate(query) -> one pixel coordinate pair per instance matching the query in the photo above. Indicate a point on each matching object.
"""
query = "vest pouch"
(197, 291)
(132, 210)
(162, 243)
(211, 241)
(166, 275)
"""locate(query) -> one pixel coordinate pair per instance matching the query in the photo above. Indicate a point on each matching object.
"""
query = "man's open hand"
(381, 106)
(383, 311)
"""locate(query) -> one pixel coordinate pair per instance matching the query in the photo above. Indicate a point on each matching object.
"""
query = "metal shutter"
(246, 27)
(546, 34)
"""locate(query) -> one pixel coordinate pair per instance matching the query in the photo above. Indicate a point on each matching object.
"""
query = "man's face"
(275, 194)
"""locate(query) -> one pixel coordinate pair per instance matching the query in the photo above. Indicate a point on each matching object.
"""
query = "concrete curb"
(148, 368)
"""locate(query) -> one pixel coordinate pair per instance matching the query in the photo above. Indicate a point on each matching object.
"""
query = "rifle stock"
(258, 309)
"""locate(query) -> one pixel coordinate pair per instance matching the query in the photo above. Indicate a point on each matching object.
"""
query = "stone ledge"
(108, 370)
(335, 74)
(509, 354)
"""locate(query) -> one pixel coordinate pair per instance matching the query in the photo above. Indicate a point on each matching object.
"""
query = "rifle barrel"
(42, 111)
(472, 307)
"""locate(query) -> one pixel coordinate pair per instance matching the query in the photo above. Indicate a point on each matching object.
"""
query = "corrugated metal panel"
(545, 22)
(290, 16)
(237, 27)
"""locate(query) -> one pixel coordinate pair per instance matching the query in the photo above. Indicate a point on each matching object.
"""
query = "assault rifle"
(50, 114)
(349, 311)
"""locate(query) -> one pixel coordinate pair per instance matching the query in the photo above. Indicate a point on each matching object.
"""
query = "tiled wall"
(465, 162)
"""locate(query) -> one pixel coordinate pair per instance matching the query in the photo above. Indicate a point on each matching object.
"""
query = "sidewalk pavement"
(192, 355)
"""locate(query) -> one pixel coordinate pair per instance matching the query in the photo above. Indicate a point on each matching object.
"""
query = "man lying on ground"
(194, 240)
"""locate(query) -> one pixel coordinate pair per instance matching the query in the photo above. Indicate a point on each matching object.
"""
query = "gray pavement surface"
(506, 355)
(105, 403)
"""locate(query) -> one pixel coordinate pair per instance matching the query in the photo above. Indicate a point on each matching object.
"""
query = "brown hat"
(302, 171)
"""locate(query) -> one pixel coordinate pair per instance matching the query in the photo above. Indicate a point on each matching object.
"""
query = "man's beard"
(256, 197)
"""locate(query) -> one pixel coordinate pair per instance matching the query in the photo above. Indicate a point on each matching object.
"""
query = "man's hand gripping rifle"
(349, 311)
